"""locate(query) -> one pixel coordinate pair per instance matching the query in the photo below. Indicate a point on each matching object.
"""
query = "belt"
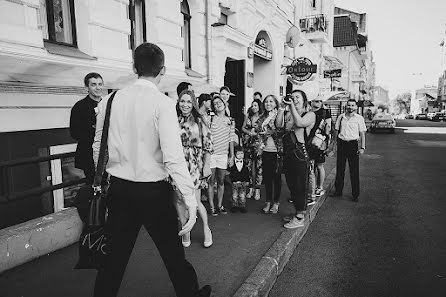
(354, 140)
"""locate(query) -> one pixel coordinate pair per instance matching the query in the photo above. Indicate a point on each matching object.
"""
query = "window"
(137, 16)
(185, 33)
(223, 19)
(57, 21)
(313, 4)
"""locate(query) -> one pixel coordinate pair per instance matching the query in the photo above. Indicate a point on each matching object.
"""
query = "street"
(392, 242)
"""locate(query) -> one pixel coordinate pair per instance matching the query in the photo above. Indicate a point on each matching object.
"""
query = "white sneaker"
(257, 195)
(275, 208)
(319, 192)
(295, 223)
(266, 208)
(250, 193)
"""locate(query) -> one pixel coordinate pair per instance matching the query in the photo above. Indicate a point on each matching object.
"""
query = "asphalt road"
(393, 241)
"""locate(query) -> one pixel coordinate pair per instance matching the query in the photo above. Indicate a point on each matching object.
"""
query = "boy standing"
(239, 175)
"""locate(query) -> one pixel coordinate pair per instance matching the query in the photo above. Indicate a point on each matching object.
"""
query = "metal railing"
(6, 195)
(316, 23)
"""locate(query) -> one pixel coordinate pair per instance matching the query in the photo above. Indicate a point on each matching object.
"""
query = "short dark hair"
(225, 88)
(202, 98)
(258, 93)
(214, 93)
(182, 86)
(352, 100)
(91, 75)
(238, 148)
(148, 59)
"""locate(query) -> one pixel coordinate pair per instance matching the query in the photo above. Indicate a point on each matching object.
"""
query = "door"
(235, 80)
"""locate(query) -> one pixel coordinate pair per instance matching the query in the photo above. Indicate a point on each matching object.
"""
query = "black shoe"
(243, 209)
(233, 209)
(222, 210)
(355, 199)
(205, 291)
(335, 194)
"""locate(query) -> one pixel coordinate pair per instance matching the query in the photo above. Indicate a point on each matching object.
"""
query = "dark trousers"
(271, 179)
(132, 205)
(296, 167)
(89, 173)
(347, 151)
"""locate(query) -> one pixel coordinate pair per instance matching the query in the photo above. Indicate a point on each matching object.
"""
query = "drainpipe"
(208, 41)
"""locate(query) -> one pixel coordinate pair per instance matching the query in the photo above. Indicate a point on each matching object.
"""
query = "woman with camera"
(297, 123)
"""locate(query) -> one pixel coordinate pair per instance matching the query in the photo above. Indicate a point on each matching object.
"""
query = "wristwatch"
(363, 148)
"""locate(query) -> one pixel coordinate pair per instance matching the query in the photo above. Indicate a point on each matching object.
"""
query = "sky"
(405, 38)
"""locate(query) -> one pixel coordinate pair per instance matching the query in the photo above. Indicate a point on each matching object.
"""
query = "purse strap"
(101, 159)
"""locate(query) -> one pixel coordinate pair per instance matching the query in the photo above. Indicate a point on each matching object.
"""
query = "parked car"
(383, 121)
(430, 115)
(421, 116)
(409, 117)
(439, 116)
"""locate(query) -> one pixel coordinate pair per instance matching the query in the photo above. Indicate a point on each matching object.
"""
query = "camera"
(287, 98)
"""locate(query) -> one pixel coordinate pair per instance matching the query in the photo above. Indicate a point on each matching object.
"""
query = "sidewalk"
(249, 251)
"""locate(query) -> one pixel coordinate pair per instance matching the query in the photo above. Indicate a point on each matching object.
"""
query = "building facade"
(353, 48)
(48, 46)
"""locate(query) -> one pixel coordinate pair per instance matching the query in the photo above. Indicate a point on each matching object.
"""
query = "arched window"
(185, 33)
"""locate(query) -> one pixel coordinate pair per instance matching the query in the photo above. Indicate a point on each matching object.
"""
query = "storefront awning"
(336, 95)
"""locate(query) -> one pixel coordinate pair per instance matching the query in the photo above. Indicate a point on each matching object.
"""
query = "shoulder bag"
(94, 243)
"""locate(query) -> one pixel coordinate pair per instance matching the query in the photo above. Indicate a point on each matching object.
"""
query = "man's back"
(140, 123)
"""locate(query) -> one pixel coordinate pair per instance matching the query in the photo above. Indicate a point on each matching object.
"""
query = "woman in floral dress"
(197, 147)
(252, 144)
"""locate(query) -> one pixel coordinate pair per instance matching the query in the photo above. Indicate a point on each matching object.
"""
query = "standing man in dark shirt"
(83, 124)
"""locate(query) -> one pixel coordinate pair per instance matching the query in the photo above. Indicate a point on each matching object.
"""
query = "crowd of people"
(187, 153)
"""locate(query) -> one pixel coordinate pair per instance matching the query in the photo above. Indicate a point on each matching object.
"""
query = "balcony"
(315, 28)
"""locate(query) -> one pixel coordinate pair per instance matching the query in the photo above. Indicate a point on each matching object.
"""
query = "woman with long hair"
(223, 133)
(197, 147)
(298, 123)
(271, 152)
(252, 143)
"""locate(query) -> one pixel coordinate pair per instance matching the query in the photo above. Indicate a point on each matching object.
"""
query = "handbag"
(94, 242)
(318, 140)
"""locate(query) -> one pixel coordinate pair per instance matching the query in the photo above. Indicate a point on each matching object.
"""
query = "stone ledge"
(27, 241)
(265, 274)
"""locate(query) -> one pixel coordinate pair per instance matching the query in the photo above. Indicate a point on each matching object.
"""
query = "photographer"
(298, 123)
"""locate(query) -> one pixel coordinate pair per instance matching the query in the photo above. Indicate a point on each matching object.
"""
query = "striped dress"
(222, 131)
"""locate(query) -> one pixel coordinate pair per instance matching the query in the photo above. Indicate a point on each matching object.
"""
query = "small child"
(239, 175)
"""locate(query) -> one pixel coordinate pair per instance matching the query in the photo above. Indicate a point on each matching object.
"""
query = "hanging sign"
(301, 69)
(332, 73)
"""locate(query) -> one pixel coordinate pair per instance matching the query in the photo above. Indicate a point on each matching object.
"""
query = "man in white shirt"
(350, 140)
(144, 148)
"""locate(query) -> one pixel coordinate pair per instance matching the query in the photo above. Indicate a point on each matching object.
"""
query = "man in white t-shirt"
(350, 140)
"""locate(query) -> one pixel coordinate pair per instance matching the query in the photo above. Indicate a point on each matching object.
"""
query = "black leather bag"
(91, 201)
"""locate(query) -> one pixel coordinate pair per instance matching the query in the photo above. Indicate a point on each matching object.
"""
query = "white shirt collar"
(146, 82)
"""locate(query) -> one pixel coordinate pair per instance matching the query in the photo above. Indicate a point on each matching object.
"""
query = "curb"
(266, 272)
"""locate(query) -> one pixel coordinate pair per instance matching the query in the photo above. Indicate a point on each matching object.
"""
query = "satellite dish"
(293, 37)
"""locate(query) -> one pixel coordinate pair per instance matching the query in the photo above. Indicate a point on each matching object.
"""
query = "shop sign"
(250, 79)
(251, 50)
(332, 73)
(263, 52)
(301, 69)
